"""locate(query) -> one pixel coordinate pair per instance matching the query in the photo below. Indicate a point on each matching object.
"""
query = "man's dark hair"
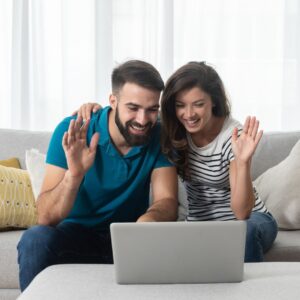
(138, 72)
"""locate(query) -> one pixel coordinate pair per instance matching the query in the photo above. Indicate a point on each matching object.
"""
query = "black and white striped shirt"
(208, 191)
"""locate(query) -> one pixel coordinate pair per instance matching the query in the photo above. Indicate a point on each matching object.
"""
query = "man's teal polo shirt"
(116, 187)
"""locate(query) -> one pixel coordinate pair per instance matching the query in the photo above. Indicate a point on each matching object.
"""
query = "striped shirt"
(208, 190)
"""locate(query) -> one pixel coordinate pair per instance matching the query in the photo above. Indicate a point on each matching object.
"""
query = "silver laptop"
(178, 252)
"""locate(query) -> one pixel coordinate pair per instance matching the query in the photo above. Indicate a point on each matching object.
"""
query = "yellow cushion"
(17, 204)
(11, 162)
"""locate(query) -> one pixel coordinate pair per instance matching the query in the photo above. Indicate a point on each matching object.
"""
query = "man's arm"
(60, 186)
(57, 195)
(165, 199)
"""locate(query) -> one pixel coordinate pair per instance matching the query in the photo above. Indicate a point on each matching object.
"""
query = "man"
(100, 172)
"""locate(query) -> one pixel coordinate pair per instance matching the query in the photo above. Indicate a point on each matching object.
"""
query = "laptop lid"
(178, 252)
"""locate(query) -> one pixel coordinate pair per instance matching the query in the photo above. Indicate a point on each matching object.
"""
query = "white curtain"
(57, 54)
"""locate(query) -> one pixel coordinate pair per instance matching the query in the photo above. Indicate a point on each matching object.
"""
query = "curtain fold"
(20, 64)
(57, 54)
(104, 48)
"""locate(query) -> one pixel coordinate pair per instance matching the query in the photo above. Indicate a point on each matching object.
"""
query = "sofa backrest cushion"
(272, 149)
(14, 143)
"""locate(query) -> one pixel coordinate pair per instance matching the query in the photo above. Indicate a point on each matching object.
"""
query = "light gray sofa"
(273, 148)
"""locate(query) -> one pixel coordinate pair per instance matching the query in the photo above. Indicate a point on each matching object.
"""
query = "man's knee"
(35, 239)
(34, 252)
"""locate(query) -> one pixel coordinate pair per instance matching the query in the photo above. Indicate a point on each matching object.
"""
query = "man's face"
(136, 112)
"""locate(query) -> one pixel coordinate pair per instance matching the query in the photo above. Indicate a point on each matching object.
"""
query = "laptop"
(178, 252)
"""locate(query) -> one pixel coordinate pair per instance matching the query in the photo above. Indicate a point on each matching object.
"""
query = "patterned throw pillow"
(17, 204)
(11, 162)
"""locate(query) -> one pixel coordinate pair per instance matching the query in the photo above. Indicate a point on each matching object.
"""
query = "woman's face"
(194, 110)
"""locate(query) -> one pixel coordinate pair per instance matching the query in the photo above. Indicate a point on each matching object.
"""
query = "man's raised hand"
(79, 156)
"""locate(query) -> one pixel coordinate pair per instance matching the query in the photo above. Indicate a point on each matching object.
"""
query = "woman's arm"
(243, 148)
(86, 109)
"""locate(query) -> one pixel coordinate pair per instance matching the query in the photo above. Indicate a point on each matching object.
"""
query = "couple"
(99, 172)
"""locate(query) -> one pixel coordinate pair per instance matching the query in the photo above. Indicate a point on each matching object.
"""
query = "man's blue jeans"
(42, 246)
(261, 232)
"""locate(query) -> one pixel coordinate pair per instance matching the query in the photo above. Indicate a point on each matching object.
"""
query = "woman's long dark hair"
(174, 139)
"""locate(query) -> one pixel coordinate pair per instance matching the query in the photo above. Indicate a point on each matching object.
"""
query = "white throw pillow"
(279, 188)
(35, 164)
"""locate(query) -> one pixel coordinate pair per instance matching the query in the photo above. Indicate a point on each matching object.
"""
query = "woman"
(212, 153)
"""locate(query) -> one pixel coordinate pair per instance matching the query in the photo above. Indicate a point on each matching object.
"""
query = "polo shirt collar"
(103, 127)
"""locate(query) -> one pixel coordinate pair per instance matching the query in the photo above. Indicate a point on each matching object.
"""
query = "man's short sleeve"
(162, 161)
(56, 155)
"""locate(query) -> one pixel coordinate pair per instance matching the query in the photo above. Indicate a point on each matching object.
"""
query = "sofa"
(273, 148)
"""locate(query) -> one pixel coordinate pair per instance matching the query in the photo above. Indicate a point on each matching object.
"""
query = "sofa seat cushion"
(286, 247)
(9, 294)
(261, 280)
(9, 277)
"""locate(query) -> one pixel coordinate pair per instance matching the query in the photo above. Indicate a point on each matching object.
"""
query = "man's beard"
(133, 139)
